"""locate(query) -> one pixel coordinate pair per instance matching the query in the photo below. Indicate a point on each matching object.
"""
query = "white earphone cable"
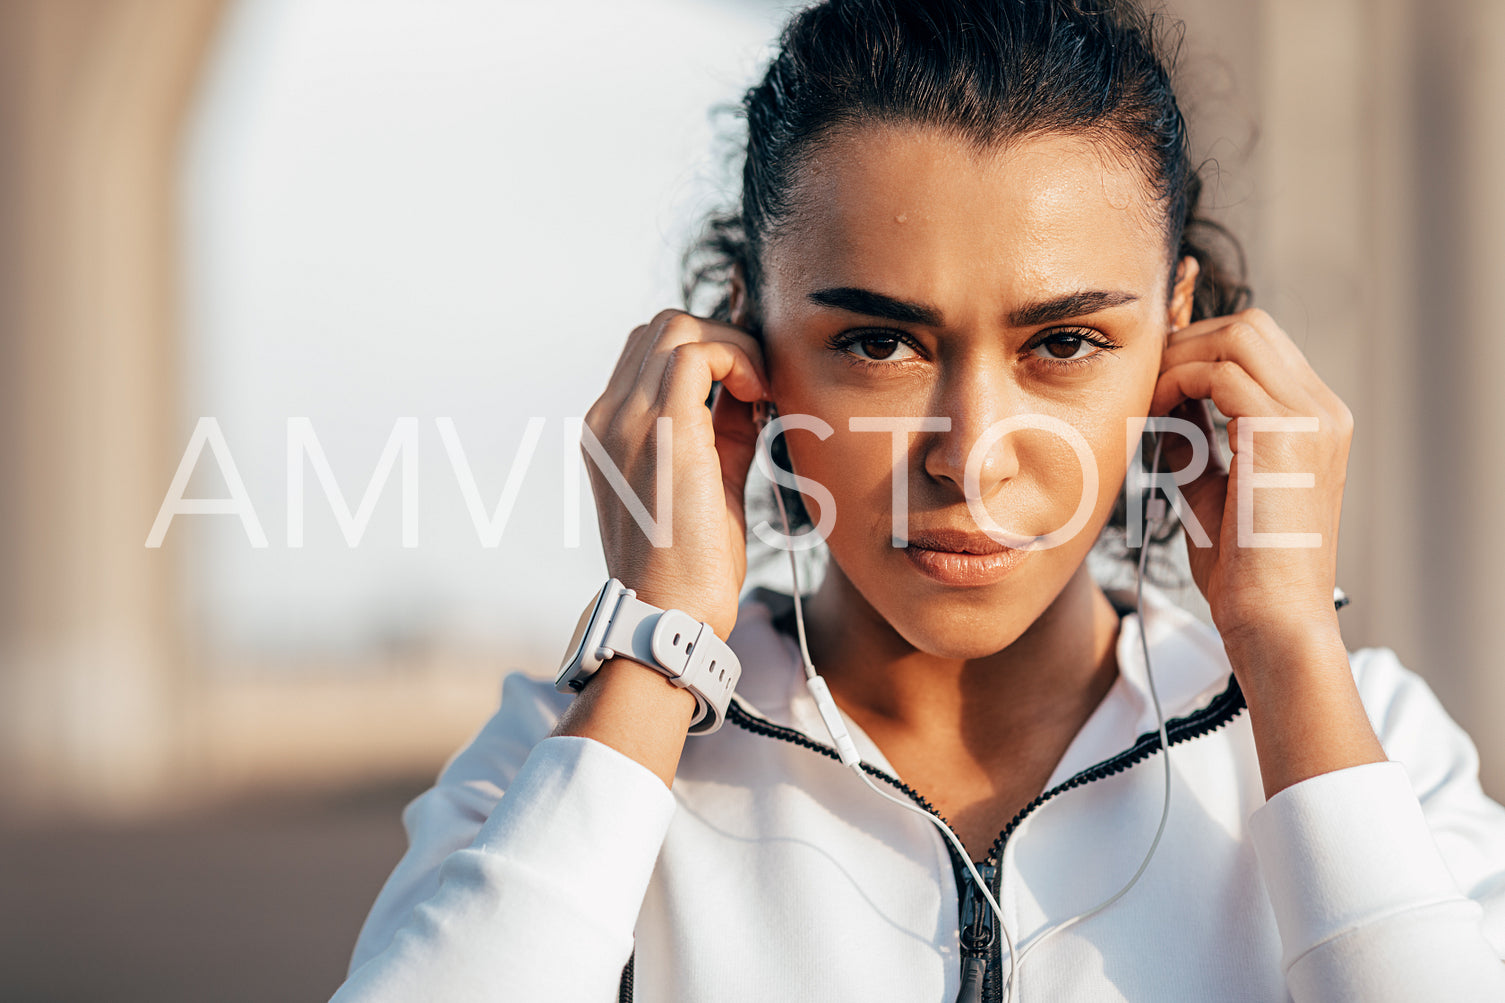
(847, 749)
(1157, 509)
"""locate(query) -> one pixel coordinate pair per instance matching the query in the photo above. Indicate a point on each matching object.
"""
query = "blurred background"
(410, 238)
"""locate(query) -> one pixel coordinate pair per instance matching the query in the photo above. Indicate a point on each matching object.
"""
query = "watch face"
(577, 640)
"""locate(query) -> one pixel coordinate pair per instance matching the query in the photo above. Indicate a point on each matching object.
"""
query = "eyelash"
(844, 341)
(1104, 343)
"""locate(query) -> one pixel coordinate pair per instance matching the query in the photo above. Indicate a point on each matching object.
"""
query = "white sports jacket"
(557, 869)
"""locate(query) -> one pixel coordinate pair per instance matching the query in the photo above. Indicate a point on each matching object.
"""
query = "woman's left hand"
(1271, 599)
(1254, 580)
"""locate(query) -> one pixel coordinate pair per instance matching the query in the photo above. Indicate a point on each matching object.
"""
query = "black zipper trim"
(742, 719)
(757, 725)
(1222, 709)
(1219, 711)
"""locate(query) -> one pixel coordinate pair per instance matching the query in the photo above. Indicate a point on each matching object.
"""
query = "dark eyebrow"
(865, 301)
(872, 304)
(1070, 305)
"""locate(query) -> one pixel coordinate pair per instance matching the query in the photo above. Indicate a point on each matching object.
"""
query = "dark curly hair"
(989, 71)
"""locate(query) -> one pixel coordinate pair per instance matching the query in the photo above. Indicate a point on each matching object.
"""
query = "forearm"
(1366, 906)
(1303, 705)
(636, 711)
(542, 902)
(1365, 903)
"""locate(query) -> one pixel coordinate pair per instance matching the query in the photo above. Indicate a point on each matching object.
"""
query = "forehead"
(914, 210)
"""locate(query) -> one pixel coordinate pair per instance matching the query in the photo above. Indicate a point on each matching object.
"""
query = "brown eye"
(1070, 347)
(879, 346)
(1064, 349)
(875, 347)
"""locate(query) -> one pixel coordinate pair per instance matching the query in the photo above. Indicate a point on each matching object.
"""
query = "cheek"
(1103, 413)
(1120, 412)
(855, 467)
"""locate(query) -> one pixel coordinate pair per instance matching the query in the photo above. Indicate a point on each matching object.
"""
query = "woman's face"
(922, 278)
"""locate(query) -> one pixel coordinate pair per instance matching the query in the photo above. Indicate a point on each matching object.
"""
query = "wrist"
(1286, 651)
(635, 710)
(1304, 706)
(642, 687)
(721, 620)
(1285, 667)
(670, 641)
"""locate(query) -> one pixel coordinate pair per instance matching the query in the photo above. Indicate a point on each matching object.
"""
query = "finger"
(1253, 327)
(631, 359)
(1289, 380)
(691, 368)
(1239, 343)
(666, 330)
(1198, 327)
(1178, 448)
(736, 443)
(624, 374)
(1204, 326)
(1226, 384)
(676, 328)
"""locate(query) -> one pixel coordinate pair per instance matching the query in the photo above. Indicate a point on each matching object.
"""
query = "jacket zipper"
(977, 935)
(982, 961)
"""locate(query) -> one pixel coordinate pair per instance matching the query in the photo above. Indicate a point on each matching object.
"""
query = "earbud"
(763, 413)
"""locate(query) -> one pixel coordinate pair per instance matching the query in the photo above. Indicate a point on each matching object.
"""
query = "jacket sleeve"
(1388, 879)
(526, 868)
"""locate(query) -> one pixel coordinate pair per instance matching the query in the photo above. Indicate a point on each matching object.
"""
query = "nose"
(981, 453)
(975, 400)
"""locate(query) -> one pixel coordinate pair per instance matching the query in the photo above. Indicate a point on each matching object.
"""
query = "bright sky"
(396, 208)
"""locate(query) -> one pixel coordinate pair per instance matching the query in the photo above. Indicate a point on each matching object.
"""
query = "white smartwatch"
(617, 624)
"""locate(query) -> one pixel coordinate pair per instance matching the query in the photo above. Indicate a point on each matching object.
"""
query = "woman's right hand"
(666, 370)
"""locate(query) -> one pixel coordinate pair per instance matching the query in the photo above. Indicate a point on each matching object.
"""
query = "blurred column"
(1460, 351)
(1383, 230)
(91, 651)
(1334, 266)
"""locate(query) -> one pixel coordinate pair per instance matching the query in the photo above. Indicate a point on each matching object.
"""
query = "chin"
(964, 626)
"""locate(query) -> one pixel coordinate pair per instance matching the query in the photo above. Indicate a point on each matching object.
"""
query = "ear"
(1178, 314)
(738, 298)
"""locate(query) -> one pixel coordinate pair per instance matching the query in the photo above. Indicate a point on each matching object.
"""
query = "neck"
(1049, 679)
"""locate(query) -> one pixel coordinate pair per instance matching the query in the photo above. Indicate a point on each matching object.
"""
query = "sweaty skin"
(973, 693)
(919, 277)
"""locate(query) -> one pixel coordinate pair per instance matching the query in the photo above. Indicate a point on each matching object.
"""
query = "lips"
(955, 541)
(959, 558)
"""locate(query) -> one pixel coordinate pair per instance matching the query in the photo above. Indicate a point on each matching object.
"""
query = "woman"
(966, 271)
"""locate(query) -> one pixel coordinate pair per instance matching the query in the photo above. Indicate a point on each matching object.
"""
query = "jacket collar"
(1191, 672)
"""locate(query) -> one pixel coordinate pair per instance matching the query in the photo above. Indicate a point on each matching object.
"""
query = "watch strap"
(631, 627)
(684, 649)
